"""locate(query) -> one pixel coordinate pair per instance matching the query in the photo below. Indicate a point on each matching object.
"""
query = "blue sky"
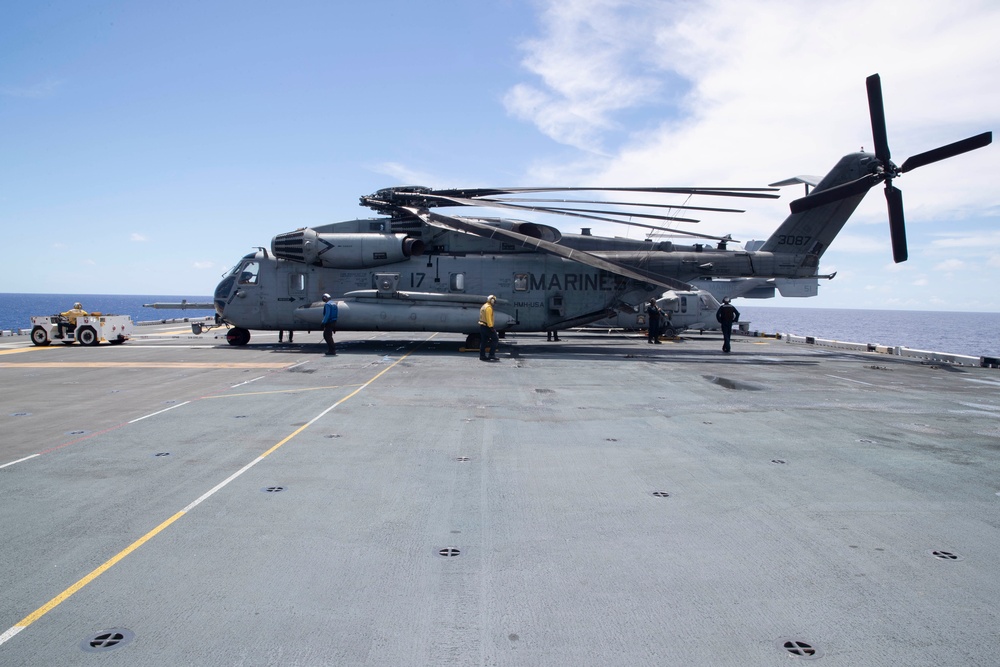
(146, 146)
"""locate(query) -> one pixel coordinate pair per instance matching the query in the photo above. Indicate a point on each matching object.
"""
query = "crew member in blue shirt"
(329, 324)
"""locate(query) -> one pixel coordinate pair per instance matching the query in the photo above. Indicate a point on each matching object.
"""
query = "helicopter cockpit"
(244, 274)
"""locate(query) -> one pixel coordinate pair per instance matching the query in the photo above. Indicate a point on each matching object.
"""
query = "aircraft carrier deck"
(597, 501)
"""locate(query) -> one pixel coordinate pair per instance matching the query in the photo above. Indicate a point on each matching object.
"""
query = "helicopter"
(416, 269)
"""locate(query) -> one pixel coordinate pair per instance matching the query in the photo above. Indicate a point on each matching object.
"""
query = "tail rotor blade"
(945, 152)
(836, 193)
(877, 112)
(897, 228)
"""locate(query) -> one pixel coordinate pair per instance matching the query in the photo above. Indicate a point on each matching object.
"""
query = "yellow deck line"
(145, 364)
(33, 348)
(59, 599)
(279, 391)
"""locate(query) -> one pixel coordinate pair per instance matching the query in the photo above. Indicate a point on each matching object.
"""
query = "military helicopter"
(415, 269)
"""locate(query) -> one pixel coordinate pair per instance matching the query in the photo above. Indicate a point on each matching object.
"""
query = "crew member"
(726, 315)
(653, 316)
(329, 324)
(487, 332)
(67, 320)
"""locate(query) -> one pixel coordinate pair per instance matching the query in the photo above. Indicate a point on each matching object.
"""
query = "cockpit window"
(248, 273)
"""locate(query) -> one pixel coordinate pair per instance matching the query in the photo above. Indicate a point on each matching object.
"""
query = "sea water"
(16, 310)
(949, 332)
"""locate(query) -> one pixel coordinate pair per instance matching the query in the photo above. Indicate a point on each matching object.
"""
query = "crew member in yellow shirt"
(67, 320)
(487, 332)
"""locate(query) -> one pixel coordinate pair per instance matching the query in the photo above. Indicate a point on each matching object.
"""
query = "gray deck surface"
(610, 502)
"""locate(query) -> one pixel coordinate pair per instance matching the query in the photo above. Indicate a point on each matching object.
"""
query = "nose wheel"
(238, 336)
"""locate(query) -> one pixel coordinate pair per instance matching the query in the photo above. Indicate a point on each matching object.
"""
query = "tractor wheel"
(39, 336)
(88, 336)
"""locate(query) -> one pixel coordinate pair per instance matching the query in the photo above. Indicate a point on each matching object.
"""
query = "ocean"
(16, 310)
(954, 333)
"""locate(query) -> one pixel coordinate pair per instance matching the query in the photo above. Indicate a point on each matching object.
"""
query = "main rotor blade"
(560, 210)
(556, 211)
(836, 193)
(945, 152)
(678, 232)
(897, 228)
(629, 203)
(487, 231)
(877, 112)
(764, 193)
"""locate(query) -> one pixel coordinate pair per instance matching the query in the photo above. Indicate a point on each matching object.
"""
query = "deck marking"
(27, 349)
(993, 383)
(143, 364)
(837, 377)
(246, 382)
(19, 460)
(66, 594)
(277, 391)
(158, 412)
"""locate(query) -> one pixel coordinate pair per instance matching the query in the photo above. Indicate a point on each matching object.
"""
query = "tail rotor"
(884, 170)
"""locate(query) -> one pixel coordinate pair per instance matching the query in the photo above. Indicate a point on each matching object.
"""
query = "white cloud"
(594, 60)
(202, 265)
(767, 89)
(731, 93)
(950, 265)
(139, 238)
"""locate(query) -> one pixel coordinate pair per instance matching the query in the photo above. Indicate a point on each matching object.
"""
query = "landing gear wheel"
(238, 336)
(88, 336)
(472, 342)
(39, 337)
(669, 332)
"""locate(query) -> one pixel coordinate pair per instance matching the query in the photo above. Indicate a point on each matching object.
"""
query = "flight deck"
(593, 501)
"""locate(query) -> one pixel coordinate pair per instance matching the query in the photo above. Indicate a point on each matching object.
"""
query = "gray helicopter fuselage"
(438, 293)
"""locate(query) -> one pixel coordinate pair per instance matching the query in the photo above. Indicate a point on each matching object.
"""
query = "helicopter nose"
(222, 293)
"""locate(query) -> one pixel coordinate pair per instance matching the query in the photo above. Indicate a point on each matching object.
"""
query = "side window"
(457, 282)
(296, 283)
(520, 282)
(248, 275)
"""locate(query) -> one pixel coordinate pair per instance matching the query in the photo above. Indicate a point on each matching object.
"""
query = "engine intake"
(345, 251)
